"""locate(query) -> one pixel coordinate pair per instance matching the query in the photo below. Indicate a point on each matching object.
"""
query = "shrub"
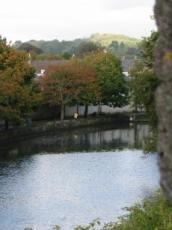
(154, 214)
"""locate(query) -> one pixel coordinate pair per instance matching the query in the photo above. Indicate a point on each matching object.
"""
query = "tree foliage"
(69, 83)
(144, 80)
(110, 79)
(17, 91)
(147, 50)
(29, 48)
(87, 47)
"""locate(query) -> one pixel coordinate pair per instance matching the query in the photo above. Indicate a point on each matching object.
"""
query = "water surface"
(75, 178)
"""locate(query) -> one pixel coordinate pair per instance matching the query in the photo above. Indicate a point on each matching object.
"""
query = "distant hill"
(107, 39)
(120, 45)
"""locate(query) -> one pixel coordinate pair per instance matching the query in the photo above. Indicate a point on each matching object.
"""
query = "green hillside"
(107, 39)
(120, 45)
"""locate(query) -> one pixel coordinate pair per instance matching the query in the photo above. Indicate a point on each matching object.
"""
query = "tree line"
(94, 77)
(119, 45)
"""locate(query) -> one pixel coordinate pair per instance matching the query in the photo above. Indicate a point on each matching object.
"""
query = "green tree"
(144, 80)
(66, 55)
(27, 47)
(87, 47)
(110, 79)
(147, 50)
(113, 47)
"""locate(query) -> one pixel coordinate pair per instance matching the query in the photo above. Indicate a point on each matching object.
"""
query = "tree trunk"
(62, 112)
(77, 109)
(99, 108)
(6, 125)
(135, 108)
(163, 67)
(86, 111)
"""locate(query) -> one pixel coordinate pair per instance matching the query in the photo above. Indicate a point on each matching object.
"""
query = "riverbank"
(153, 213)
(42, 127)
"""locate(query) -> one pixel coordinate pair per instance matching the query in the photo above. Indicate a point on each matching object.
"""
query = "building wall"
(70, 110)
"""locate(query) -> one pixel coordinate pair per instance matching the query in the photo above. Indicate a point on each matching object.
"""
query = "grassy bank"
(154, 214)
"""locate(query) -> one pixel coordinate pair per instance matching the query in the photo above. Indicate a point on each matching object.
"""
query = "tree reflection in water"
(86, 139)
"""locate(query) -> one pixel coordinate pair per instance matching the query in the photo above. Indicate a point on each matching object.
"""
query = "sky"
(69, 19)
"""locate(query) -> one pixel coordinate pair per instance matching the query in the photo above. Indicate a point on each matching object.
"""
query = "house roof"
(127, 64)
(39, 64)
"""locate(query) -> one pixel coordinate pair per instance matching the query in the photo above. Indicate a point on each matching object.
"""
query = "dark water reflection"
(88, 139)
(40, 190)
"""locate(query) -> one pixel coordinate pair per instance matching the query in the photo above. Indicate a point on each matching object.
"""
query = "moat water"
(75, 177)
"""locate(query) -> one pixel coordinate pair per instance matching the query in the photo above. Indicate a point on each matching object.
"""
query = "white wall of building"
(69, 111)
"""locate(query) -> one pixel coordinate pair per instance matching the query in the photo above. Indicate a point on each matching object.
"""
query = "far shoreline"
(42, 127)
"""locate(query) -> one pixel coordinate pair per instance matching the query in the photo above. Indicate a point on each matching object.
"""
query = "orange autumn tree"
(69, 83)
(89, 90)
(17, 92)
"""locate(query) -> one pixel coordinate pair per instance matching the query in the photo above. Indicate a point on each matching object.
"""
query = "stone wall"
(57, 126)
(163, 66)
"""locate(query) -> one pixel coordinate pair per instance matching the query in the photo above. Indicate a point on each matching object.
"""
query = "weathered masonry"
(163, 66)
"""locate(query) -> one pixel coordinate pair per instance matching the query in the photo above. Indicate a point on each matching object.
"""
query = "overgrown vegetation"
(154, 214)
